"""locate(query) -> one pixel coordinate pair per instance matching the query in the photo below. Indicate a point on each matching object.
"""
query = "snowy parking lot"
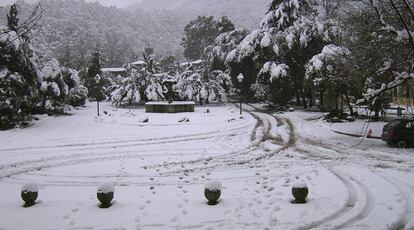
(160, 166)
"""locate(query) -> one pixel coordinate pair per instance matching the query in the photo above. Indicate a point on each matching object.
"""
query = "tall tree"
(12, 19)
(94, 69)
(201, 33)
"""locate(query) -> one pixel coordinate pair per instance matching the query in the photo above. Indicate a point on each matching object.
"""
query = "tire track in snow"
(366, 210)
(408, 214)
(81, 158)
(132, 141)
(349, 204)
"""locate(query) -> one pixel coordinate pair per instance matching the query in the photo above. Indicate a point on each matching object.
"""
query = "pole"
(241, 105)
(97, 100)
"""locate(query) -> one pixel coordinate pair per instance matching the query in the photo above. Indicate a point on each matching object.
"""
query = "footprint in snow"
(175, 219)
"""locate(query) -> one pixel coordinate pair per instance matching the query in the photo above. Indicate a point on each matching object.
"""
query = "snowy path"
(160, 169)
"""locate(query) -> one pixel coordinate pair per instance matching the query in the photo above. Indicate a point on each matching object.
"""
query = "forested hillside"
(71, 30)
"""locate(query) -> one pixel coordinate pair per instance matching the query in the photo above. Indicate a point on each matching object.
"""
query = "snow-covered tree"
(220, 51)
(60, 87)
(19, 73)
(201, 32)
(327, 73)
(291, 33)
(201, 84)
(144, 84)
(95, 90)
(382, 45)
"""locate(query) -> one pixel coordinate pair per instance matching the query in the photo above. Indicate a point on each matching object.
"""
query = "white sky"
(118, 3)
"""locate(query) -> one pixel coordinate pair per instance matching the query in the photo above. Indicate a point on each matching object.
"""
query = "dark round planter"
(212, 196)
(105, 199)
(300, 194)
(29, 198)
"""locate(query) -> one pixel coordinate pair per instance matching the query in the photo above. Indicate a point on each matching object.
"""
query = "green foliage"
(94, 68)
(201, 33)
(168, 64)
(12, 19)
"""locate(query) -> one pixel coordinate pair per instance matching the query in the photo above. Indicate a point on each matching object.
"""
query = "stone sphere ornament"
(29, 194)
(105, 194)
(213, 192)
(300, 191)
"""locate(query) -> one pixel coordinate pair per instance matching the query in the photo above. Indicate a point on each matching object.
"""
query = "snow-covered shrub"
(29, 194)
(300, 192)
(12, 100)
(61, 86)
(139, 85)
(77, 92)
(105, 194)
(212, 192)
(200, 85)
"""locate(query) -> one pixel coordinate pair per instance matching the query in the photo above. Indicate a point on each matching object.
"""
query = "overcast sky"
(118, 3)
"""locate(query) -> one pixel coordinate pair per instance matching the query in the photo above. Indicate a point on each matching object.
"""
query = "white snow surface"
(107, 187)
(300, 184)
(160, 169)
(30, 187)
(214, 186)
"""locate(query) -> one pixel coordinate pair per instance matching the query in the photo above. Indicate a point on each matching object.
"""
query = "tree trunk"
(336, 101)
(297, 97)
(321, 98)
(305, 105)
(351, 110)
(311, 98)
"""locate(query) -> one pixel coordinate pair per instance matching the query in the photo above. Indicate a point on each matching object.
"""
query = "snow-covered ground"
(160, 168)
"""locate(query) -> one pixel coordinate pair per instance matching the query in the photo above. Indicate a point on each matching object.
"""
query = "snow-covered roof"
(139, 62)
(115, 69)
(197, 62)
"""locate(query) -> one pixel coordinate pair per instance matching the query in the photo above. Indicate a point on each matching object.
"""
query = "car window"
(410, 125)
(394, 123)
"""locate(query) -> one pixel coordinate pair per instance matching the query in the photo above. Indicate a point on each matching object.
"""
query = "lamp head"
(97, 79)
(240, 78)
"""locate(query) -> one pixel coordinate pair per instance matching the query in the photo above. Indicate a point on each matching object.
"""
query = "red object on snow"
(369, 133)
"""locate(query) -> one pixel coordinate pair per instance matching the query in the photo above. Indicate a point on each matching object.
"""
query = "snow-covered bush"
(200, 85)
(61, 86)
(139, 85)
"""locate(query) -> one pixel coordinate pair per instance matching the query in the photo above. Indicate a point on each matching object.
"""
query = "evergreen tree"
(291, 33)
(12, 19)
(19, 74)
(201, 33)
(94, 68)
(224, 25)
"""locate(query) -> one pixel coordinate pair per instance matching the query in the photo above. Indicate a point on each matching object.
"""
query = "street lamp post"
(97, 81)
(240, 79)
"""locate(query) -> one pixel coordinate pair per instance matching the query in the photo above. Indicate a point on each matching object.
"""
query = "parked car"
(399, 133)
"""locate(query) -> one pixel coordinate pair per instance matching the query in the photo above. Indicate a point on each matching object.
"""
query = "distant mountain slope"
(71, 29)
(244, 13)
